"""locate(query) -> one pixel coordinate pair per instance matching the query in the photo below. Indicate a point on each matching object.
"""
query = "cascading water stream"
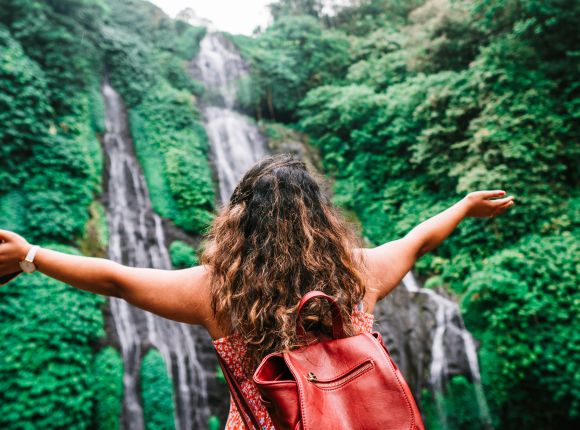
(137, 239)
(449, 323)
(235, 140)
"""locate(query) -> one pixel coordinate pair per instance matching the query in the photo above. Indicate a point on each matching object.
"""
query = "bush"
(157, 392)
(172, 148)
(108, 388)
(524, 306)
(48, 331)
(183, 256)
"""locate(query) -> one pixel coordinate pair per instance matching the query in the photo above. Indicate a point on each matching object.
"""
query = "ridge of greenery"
(146, 56)
(53, 56)
(182, 255)
(108, 388)
(51, 169)
(157, 392)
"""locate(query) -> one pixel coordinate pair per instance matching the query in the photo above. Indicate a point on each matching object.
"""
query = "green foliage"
(96, 235)
(24, 111)
(50, 168)
(127, 61)
(172, 147)
(157, 392)
(362, 18)
(220, 375)
(524, 305)
(48, 330)
(283, 8)
(433, 282)
(108, 388)
(49, 150)
(182, 255)
(402, 155)
(12, 210)
(293, 56)
(174, 70)
(380, 71)
(365, 140)
(457, 404)
(213, 423)
(97, 112)
(52, 59)
(151, 25)
(143, 47)
(61, 38)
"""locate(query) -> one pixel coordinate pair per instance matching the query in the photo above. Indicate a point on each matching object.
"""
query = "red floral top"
(232, 349)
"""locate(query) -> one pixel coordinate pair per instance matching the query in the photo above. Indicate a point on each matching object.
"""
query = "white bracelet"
(27, 265)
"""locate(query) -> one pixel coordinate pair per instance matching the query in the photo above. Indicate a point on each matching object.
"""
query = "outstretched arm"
(174, 294)
(388, 263)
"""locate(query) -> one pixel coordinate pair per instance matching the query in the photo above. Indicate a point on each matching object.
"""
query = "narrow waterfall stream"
(449, 325)
(137, 239)
(235, 140)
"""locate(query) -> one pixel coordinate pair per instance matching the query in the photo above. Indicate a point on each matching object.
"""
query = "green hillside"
(53, 58)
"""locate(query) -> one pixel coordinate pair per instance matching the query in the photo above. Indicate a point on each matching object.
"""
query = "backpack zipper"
(343, 379)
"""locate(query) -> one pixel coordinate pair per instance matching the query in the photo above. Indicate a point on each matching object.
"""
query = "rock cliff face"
(425, 335)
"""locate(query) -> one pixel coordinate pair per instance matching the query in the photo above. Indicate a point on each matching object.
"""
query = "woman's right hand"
(13, 249)
(479, 204)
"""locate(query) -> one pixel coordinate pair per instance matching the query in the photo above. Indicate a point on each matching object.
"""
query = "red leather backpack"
(340, 383)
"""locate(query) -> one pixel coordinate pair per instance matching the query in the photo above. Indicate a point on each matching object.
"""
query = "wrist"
(23, 251)
(28, 264)
(465, 205)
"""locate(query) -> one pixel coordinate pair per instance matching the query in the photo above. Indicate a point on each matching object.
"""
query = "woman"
(277, 238)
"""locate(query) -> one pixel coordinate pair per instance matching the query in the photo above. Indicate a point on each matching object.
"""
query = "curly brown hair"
(278, 238)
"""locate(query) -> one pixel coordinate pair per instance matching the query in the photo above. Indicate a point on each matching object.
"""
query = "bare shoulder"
(197, 281)
(200, 277)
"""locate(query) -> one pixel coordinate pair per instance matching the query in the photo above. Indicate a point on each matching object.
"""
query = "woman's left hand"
(13, 249)
(480, 204)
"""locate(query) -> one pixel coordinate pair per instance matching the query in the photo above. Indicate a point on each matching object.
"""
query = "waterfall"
(449, 330)
(235, 140)
(137, 239)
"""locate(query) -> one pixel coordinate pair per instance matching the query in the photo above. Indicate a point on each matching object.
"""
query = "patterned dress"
(232, 349)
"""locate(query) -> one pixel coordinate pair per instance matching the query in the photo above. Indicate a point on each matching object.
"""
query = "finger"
(509, 202)
(501, 209)
(501, 202)
(488, 194)
(5, 235)
(506, 205)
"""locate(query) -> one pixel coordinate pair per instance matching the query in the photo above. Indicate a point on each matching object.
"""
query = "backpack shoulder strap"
(243, 407)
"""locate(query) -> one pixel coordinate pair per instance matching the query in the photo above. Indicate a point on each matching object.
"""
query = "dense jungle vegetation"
(411, 103)
(53, 57)
(415, 103)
